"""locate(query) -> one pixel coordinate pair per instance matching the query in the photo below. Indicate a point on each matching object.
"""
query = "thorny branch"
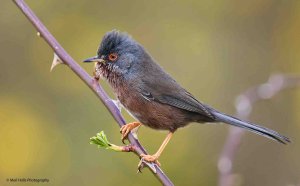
(92, 83)
(244, 105)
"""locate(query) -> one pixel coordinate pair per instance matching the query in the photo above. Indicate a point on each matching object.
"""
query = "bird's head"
(117, 53)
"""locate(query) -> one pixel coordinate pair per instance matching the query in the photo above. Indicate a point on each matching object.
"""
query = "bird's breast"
(150, 113)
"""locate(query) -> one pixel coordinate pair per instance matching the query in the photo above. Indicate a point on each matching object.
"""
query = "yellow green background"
(215, 49)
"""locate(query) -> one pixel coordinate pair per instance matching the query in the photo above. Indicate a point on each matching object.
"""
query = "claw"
(125, 129)
(142, 164)
(123, 139)
(150, 158)
(124, 134)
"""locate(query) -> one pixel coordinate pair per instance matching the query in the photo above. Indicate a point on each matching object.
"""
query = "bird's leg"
(154, 157)
(125, 129)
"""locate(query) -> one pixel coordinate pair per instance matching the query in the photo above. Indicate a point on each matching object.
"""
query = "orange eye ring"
(113, 57)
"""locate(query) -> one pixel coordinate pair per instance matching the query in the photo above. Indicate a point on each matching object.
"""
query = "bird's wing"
(173, 94)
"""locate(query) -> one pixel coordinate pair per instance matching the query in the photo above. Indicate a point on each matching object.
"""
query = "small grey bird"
(152, 96)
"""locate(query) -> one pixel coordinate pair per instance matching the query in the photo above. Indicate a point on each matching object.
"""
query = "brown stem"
(244, 105)
(128, 148)
(89, 81)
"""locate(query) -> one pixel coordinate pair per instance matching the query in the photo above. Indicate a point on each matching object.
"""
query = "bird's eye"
(113, 57)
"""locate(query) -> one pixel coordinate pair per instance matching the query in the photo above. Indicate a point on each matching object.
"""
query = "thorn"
(134, 132)
(56, 61)
(118, 104)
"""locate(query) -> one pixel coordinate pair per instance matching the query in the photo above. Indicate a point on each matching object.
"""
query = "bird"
(152, 96)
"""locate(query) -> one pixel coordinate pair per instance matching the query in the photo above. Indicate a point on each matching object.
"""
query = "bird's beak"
(94, 59)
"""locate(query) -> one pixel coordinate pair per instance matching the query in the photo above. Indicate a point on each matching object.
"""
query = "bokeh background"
(215, 49)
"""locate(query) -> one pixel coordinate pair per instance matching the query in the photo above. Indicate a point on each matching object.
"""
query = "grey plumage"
(152, 95)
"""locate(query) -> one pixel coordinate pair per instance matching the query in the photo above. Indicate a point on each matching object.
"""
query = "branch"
(91, 83)
(244, 105)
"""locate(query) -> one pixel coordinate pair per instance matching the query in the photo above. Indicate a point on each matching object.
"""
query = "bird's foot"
(144, 163)
(150, 158)
(125, 129)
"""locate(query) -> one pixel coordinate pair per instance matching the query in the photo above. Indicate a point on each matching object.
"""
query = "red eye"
(113, 57)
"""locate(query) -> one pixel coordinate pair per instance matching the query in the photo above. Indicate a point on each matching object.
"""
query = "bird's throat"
(108, 72)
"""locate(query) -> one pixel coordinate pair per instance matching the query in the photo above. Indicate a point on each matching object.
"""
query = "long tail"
(251, 127)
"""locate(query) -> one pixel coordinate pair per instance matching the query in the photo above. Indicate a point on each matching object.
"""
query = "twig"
(244, 105)
(91, 82)
(101, 141)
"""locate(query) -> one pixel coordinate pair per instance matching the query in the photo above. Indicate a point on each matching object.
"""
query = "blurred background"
(215, 49)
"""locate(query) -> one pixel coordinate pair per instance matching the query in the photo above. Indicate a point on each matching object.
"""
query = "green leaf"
(101, 141)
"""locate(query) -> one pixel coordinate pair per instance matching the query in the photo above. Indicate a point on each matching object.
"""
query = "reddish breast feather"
(150, 113)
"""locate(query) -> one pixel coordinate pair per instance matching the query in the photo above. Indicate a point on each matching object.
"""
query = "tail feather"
(251, 127)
